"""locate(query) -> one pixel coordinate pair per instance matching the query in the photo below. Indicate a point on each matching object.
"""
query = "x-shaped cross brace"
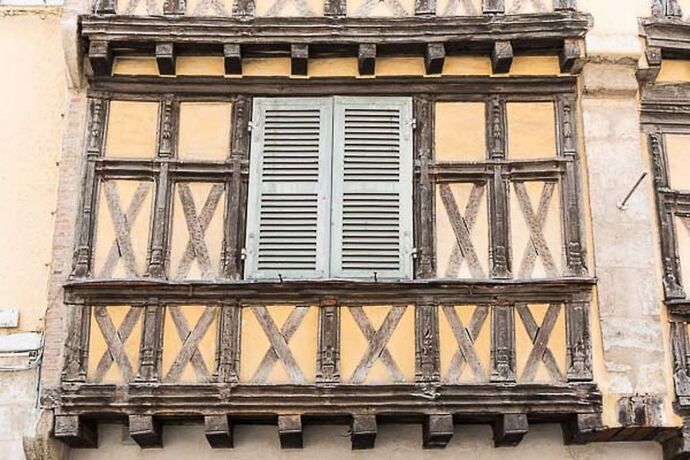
(190, 344)
(279, 340)
(465, 337)
(378, 341)
(115, 340)
(537, 246)
(197, 224)
(462, 228)
(540, 338)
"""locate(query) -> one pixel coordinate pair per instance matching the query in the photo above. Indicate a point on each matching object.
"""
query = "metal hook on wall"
(623, 204)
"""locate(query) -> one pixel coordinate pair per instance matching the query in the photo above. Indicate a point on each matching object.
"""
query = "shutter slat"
(287, 218)
(372, 188)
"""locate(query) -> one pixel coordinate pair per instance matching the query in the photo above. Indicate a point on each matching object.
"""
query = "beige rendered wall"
(33, 96)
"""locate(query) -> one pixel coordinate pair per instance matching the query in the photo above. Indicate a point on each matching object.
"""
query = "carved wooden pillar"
(236, 202)
(499, 252)
(77, 347)
(424, 188)
(579, 342)
(174, 7)
(228, 349)
(570, 188)
(328, 361)
(428, 361)
(424, 7)
(86, 221)
(673, 288)
(503, 343)
(243, 8)
(150, 352)
(335, 8)
(681, 358)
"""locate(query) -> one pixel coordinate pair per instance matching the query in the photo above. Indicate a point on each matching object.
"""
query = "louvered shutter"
(371, 209)
(289, 192)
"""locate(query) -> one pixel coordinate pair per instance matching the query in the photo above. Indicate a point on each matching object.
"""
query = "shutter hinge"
(413, 123)
(413, 253)
(250, 126)
(243, 253)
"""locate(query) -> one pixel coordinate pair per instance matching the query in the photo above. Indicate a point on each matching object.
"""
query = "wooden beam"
(219, 431)
(437, 431)
(145, 431)
(232, 55)
(73, 431)
(571, 58)
(678, 447)
(509, 429)
(299, 60)
(290, 431)
(582, 428)
(101, 58)
(502, 57)
(366, 59)
(165, 58)
(434, 58)
(363, 432)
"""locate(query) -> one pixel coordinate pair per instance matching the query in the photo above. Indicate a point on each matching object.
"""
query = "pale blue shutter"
(289, 189)
(371, 211)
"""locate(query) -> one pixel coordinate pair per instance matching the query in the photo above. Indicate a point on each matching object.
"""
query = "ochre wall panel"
(200, 65)
(467, 65)
(209, 8)
(133, 201)
(266, 67)
(535, 65)
(678, 155)
(526, 7)
(135, 66)
(380, 8)
(459, 8)
(531, 130)
(98, 346)
(674, 70)
(204, 130)
(449, 346)
(333, 67)
(132, 129)
(556, 344)
(399, 66)
(460, 133)
(289, 8)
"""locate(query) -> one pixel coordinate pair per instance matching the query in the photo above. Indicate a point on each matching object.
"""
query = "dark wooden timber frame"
(148, 400)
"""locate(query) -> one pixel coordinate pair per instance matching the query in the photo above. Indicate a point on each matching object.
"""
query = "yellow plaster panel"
(254, 345)
(140, 7)
(205, 130)
(520, 235)
(200, 65)
(535, 65)
(459, 8)
(449, 345)
(683, 237)
(526, 7)
(467, 65)
(399, 66)
(556, 343)
(380, 8)
(460, 131)
(184, 260)
(353, 345)
(132, 129)
(266, 67)
(98, 347)
(135, 66)
(207, 8)
(133, 199)
(525, 119)
(172, 344)
(289, 8)
(333, 67)
(674, 70)
(678, 155)
(450, 260)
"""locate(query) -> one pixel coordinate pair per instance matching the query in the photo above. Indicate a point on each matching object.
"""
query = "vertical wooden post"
(150, 352)
(425, 7)
(77, 347)
(681, 358)
(243, 8)
(228, 348)
(564, 5)
(499, 251)
(174, 7)
(424, 188)
(503, 343)
(427, 362)
(579, 342)
(328, 365)
(335, 8)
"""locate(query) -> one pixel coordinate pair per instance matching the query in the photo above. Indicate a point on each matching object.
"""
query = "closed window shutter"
(289, 195)
(371, 207)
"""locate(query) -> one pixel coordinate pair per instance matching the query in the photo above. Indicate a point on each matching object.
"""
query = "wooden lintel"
(434, 58)
(146, 431)
(290, 431)
(509, 429)
(219, 431)
(437, 431)
(73, 431)
(299, 60)
(571, 59)
(232, 55)
(101, 58)
(366, 59)
(363, 432)
(583, 428)
(502, 57)
(165, 58)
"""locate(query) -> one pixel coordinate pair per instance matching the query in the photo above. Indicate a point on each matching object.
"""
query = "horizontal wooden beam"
(437, 431)
(75, 432)
(509, 429)
(146, 431)
(363, 432)
(290, 431)
(583, 428)
(671, 37)
(219, 431)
